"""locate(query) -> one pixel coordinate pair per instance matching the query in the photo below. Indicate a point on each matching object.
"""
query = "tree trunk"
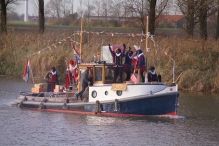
(203, 20)
(152, 17)
(3, 17)
(217, 26)
(41, 17)
(190, 18)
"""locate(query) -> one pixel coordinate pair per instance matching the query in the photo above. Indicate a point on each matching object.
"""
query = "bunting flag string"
(54, 45)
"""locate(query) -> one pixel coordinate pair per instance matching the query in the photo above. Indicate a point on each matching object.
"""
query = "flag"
(27, 70)
(76, 54)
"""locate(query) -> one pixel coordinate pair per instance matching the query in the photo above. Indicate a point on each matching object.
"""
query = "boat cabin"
(102, 72)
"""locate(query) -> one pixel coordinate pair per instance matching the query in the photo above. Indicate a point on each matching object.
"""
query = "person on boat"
(118, 55)
(70, 71)
(85, 81)
(152, 75)
(57, 77)
(128, 66)
(141, 65)
(48, 77)
(51, 79)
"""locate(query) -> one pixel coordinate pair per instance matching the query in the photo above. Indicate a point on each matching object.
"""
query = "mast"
(146, 42)
(146, 47)
(81, 38)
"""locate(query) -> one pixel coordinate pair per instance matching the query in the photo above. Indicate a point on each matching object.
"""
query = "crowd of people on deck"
(134, 63)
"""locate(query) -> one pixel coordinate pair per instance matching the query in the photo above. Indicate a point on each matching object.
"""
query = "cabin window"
(109, 74)
(119, 92)
(94, 94)
(98, 74)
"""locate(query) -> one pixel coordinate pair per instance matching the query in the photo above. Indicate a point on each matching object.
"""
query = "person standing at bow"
(118, 55)
(152, 75)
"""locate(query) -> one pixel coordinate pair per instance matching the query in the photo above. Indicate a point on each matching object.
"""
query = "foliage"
(197, 62)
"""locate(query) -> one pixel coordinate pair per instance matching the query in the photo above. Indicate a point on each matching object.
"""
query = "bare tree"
(89, 8)
(71, 2)
(206, 9)
(41, 17)
(106, 5)
(152, 16)
(54, 9)
(3, 9)
(189, 9)
(97, 3)
(137, 8)
(118, 9)
(143, 8)
(80, 8)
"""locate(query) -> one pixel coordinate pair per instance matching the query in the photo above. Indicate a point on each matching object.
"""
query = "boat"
(105, 96)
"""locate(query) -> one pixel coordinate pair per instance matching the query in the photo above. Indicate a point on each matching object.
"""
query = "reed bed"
(196, 61)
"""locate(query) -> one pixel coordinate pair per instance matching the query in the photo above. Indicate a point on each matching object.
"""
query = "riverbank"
(196, 61)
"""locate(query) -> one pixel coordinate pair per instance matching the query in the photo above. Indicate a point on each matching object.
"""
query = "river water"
(197, 124)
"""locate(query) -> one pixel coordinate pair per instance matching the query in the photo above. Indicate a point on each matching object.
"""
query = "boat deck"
(58, 97)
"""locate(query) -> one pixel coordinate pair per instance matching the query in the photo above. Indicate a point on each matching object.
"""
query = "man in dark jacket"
(152, 75)
(85, 80)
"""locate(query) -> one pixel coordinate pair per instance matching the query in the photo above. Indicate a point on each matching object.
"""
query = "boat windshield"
(109, 74)
(98, 74)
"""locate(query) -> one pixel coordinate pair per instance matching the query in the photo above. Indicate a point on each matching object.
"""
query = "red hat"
(71, 62)
(53, 67)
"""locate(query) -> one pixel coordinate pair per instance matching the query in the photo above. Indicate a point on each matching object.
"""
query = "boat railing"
(47, 94)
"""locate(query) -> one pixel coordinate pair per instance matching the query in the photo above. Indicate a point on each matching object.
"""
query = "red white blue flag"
(27, 70)
(76, 54)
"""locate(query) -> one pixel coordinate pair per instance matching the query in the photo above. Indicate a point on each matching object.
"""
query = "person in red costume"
(71, 74)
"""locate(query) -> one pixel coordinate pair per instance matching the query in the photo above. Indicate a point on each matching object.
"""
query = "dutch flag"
(27, 70)
(76, 54)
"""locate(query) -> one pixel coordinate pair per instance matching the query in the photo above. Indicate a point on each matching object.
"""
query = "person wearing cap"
(118, 55)
(152, 75)
(141, 65)
(128, 65)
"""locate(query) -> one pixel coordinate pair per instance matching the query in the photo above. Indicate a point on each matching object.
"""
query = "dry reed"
(196, 61)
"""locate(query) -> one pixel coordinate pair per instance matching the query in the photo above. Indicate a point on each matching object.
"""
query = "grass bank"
(197, 63)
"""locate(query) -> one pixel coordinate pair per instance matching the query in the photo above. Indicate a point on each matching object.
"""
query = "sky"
(32, 11)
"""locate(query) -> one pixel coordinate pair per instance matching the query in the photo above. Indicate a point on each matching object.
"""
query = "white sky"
(32, 11)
